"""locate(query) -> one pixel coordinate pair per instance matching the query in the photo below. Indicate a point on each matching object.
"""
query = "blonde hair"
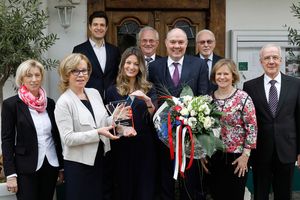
(231, 66)
(67, 65)
(24, 68)
(141, 82)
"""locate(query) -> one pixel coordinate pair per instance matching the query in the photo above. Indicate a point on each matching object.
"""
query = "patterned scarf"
(37, 103)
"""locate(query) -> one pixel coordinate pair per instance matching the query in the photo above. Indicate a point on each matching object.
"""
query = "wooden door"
(126, 17)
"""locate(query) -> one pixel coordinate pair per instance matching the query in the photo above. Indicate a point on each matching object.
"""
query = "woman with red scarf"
(32, 154)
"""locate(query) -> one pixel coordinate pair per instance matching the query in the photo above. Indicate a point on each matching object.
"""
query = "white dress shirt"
(100, 53)
(209, 63)
(172, 68)
(267, 84)
(46, 145)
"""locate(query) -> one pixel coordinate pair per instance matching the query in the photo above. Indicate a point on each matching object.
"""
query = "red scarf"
(37, 103)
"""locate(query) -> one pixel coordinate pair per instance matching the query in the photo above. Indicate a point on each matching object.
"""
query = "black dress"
(135, 158)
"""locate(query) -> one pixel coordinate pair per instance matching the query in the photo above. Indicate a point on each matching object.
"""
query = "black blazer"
(212, 87)
(19, 137)
(194, 74)
(283, 131)
(101, 80)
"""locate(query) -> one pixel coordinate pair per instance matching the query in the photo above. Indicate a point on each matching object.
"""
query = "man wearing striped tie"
(276, 97)
(148, 40)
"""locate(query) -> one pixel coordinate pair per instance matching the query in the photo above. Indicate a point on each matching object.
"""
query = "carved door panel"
(125, 25)
(126, 17)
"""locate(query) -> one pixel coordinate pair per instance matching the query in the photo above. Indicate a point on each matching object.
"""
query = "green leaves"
(293, 33)
(23, 35)
(211, 143)
(187, 91)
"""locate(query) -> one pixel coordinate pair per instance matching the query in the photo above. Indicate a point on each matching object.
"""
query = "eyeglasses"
(205, 41)
(268, 58)
(151, 41)
(76, 72)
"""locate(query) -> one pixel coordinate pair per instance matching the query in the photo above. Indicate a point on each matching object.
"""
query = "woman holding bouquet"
(135, 158)
(228, 170)
(84, 127)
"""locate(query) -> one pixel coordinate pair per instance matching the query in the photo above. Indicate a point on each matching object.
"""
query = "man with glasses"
(276, 97)
(148, 40)
(104, 57)
(206, 43)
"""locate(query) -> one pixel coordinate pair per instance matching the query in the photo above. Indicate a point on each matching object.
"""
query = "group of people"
(77, 142)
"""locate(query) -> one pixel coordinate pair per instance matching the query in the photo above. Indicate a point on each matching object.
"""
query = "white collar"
(170, 61)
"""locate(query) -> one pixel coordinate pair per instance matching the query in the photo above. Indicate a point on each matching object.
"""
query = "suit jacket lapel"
(24, 108)
(108, 53)
(283, 92)
(185, 71)
(93, 56)
(84, 113)
(262, 93)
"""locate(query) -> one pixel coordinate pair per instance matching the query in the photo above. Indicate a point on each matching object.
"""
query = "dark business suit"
(212, 87)
(98, 79)
(21, 158)
(194, 74)
(278, 138)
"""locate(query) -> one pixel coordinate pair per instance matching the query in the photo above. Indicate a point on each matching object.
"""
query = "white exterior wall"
(240, 15)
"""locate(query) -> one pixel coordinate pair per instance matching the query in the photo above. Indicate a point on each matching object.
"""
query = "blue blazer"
(101, 80)
(194, 73)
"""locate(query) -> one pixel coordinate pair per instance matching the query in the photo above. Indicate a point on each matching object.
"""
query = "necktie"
(206, 61)
(273, 97)
(176, 74)
(148, 60)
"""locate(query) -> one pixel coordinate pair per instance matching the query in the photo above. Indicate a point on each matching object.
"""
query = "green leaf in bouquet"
(210, 144)
(187, 91)
(170, 102)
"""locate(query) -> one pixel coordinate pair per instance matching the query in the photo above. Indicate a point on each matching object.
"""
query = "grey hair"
(205, 31)
(146, 28)
(267, 46)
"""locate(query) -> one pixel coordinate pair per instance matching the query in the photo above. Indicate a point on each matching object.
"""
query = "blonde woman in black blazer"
(30, 141)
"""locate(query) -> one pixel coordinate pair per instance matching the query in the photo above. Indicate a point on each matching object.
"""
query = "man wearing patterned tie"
(206, 43)
(148, 40)
(169, 75)
(277, 102)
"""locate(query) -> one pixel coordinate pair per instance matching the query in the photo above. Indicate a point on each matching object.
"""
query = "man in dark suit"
(206, 43)
(148, 40)
(277, 102)
(104, 57)
(169, 75)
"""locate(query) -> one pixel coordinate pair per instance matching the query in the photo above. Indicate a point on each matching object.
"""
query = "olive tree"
(22, 36)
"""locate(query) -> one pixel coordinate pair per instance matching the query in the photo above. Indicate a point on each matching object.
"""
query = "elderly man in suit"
(277, 102)
(169, 74)
(148, 40)
(206, 43)
(104, 57)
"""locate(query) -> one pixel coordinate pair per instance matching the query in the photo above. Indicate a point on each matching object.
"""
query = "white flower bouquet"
(189, 126)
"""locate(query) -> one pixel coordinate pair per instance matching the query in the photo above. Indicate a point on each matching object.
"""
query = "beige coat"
(77, 128)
